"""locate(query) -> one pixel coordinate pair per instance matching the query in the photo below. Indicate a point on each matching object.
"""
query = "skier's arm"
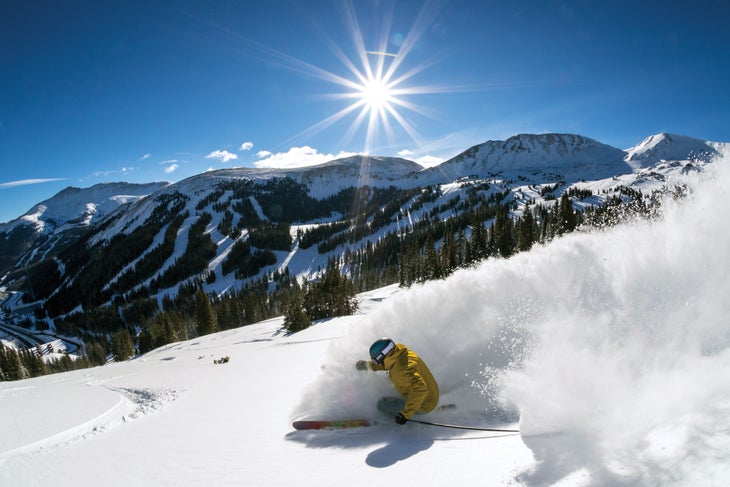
(364, 365)
(417, 392)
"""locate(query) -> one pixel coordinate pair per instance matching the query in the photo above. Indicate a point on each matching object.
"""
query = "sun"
(376, 94)
(375, 84)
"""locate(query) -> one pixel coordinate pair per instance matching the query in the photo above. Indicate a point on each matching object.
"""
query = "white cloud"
(429, 161)
(124, 170)
(26, 182)
(425, 161)
(146, 156)
(221, 155)
(297, 157)
(247, 146)
(171, 168)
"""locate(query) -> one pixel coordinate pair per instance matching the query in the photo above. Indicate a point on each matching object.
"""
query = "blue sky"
(160, 90)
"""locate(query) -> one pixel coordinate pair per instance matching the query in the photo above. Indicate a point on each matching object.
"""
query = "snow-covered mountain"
(566, 157)
(62, 219)
(524, 170)
(322, 180)
(534, 156)
(80, 207)
(609, 351)
(670, 147)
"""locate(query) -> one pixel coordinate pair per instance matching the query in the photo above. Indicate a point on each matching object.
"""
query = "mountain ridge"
(664, 146)
(522, 152)
(82, 204)
(230, 226)
(572, 157)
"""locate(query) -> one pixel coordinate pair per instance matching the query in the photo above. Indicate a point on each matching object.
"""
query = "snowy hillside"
(571, 156)
(567, 156)
(78, 207)
(539, 158)
(224, 229)
(323, 180)
(609, 350)
(59, 221)
(670, 147)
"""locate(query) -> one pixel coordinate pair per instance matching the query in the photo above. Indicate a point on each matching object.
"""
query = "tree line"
(481, 225)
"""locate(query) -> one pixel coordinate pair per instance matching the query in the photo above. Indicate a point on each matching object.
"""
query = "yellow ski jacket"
(412, 379)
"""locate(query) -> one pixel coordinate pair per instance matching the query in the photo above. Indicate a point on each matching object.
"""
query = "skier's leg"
(391, 405)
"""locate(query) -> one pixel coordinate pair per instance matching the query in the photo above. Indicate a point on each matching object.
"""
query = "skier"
(410, 376)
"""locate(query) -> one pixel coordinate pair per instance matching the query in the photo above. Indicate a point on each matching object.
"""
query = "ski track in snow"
(145, 401)
(133, 403)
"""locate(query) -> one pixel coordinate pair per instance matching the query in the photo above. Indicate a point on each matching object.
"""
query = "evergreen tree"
(408, 266)
(223, 313)
(174, 328)
(11, 365)
(145, 340)
(122, 345)
(463, 249)
(501, 239)
(64, 364)
(95, 353)
(295, 318)
(33, 363)
(333, 295)
(527, 231)
(567, 219)
(204, 315)
(449, 254)
(479, 242)
(4, 364)
(431, 267)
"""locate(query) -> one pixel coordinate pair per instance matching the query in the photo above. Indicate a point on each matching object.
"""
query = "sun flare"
(376, 94)
(376, 83)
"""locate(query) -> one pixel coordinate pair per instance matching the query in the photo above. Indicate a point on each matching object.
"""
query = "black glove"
(400, 419)
(361, 365)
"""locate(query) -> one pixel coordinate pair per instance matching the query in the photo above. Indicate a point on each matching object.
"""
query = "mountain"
(119, 244)
(318, 182)
(77, 207)
(64, 217)
(565, 157)
(608, 350)
(324, 179)
(543, 156)
(670, 147)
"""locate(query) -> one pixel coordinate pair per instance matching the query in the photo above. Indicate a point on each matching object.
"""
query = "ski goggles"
(380, 357)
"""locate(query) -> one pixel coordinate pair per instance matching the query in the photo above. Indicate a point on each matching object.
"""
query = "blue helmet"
(380, 349)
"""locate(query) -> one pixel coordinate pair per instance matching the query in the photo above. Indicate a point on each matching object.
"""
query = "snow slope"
(610, 351)
(569, 157)
(78, 207)
(665, 147)
(173, 417)
(323, 180)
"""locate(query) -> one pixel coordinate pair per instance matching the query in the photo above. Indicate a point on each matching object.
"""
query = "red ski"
(326, 424)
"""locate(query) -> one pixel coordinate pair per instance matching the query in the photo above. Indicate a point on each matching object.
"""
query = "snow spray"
(617, 339)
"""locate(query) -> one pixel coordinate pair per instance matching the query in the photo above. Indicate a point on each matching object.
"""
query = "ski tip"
(330, 424)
